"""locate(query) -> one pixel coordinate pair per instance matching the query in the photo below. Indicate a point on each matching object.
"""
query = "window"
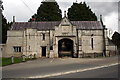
(92, 43)
(51, 47)
(43, 36)
(29, 36)
(17, 49)
(29, 47)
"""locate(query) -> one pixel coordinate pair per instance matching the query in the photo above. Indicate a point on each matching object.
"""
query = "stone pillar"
(75, 51)
(56, 48)
(12, 59)
(75, 48)
(56, 55)
(23, 58)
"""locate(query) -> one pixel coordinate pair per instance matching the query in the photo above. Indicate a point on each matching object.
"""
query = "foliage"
(7, 61)
(81, 12)
(48, 11)
(5, 27)
(116, 39)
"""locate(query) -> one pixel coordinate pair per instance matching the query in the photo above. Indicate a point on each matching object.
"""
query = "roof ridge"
(56, 21)
(45, 25)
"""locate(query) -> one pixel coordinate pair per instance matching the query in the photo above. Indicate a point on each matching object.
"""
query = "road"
(42, 68)
(106, 72)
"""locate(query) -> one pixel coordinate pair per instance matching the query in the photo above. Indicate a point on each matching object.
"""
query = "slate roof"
(51, 25)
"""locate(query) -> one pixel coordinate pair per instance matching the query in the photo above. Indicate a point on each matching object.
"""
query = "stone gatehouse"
(56, 39)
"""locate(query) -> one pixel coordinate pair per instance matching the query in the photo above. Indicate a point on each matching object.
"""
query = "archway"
(65, 47)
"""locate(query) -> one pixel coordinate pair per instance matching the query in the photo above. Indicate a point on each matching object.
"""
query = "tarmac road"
(45, 67)
(106, 72)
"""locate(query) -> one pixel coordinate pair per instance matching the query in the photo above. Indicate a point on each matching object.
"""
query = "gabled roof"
(87, 24)
(34, 25)
(51, 25)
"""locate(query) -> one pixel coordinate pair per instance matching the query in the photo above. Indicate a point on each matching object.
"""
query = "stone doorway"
(65, 48)
(44, 51)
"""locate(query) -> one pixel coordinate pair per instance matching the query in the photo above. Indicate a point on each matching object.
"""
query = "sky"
(24, 9)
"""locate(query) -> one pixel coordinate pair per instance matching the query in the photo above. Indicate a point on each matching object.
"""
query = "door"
(44, 51)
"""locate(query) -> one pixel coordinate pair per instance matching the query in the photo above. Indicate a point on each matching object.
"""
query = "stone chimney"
(64, 13)
(13, 18)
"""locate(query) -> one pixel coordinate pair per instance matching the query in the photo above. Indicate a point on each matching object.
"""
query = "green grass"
(7, 61)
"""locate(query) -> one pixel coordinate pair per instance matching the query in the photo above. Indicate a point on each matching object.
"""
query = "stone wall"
(90, 42)
(31, 41)
(14, 38)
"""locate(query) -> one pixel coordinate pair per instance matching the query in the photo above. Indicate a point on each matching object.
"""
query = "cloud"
(102, 0)
(108, 9)
(119, 17)
(19, 9)
(111, 21)
(104, 8)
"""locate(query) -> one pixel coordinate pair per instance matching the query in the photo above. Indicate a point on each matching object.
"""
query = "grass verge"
(7, 61)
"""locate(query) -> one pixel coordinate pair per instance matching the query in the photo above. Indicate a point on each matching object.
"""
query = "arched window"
(51, 47)
(43, 36)
(92, 46)
(92, 43)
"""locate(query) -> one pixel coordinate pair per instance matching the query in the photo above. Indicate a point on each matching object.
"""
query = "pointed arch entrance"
(65, 47)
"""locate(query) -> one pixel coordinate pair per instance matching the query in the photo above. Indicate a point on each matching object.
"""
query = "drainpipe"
(49, 45)
(26, 42)
(104, 41)
(77, 44)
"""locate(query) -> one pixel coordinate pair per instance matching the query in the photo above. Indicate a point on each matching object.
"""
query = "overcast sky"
(24, 9)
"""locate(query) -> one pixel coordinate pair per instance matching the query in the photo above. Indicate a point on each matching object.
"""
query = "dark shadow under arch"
(65, 47)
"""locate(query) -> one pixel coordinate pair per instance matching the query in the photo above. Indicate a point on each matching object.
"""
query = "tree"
(116, 39)
(48, 11)
(5, 27)
(81, 12)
